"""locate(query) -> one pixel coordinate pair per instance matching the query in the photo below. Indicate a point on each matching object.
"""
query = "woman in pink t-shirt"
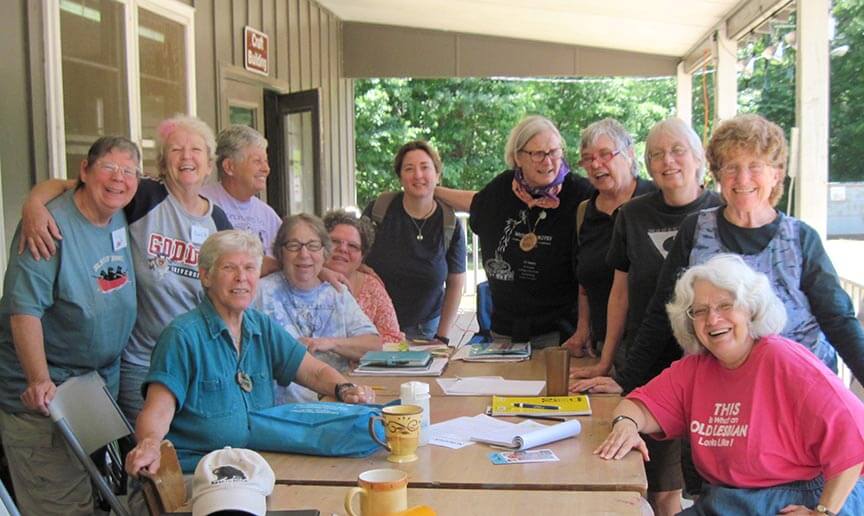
(772, 429)
(352, 238)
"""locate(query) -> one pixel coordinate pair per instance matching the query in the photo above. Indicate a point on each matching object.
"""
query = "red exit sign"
(256, 51)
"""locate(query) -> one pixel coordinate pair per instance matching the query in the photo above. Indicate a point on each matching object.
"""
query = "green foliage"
(847, 93)
(468, 120)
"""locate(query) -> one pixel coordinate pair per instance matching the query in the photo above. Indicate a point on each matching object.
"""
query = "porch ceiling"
(662, 27)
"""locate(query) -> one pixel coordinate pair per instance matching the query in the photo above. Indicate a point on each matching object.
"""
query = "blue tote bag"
(319, 428)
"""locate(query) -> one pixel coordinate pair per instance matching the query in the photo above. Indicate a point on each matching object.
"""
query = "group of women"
(162, 292)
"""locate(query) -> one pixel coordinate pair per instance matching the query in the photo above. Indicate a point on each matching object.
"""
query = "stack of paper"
(517, 438)
(490, 385)
(435, 368)
(456, 433)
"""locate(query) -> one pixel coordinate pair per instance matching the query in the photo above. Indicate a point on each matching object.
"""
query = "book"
(541, 406)
(520, 438)
(435, 368)
(388, 359)
(498, 351)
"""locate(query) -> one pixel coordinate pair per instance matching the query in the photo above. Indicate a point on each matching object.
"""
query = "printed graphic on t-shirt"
(110, 273)
(166, 254)
(662, 239)
(247, 222)
(498, 268)
(722, 427)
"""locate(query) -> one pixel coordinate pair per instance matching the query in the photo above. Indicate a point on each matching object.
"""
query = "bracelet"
(337, 392)
(821, 509)
(622, 417)
(445, 340)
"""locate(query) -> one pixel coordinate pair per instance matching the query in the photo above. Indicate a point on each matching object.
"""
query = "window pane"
(95, 98)
(162, 54)
(241, 115)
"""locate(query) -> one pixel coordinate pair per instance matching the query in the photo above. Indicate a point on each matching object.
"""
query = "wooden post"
(811, 113)
(684, 95)
(726, 75)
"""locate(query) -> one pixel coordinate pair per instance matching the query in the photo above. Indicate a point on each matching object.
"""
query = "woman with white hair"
(217, 363)
(773, 430)
(168, 220)
(525, 218)
(644, 230)
(608, 155)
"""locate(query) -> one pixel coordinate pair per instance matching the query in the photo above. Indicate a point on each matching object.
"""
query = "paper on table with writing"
(518, 439)
(456, 433)
(490, 385)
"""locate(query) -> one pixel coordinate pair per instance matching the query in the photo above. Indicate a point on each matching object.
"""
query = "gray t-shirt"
(84, 296)
(254, 215)
(165, 242)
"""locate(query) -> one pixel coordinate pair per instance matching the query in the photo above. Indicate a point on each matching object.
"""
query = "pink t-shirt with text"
(781, 416)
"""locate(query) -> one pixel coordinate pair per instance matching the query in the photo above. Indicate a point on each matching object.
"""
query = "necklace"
(421, 226)
(529, 241)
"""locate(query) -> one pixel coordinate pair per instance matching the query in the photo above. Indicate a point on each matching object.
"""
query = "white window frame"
(55, 121)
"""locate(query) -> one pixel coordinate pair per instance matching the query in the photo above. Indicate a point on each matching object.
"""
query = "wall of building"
(305, 42)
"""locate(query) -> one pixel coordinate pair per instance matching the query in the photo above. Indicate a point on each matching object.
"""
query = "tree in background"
(468, 120)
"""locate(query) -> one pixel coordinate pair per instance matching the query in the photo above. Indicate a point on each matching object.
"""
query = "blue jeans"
(719, 500)
(424, 330)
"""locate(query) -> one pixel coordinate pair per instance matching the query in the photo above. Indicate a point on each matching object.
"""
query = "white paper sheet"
(456, 433)
(518, 439)
(490, 385)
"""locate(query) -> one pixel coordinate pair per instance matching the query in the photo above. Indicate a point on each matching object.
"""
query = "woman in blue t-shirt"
(423, 273)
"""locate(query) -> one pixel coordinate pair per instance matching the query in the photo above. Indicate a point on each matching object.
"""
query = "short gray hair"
(616, 132)
(233, 141)
(188, 123)
(362, 225)
(751, 290)
(527, 128)
(229, 241)
(292, 221)
(677, 128)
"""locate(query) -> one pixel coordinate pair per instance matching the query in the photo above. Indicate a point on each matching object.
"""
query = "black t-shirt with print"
(531, 290)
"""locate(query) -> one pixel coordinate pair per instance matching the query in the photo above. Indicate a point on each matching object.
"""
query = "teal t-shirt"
(84, 296)
(195, 359)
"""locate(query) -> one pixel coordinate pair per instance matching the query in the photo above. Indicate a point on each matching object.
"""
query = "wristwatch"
(618, 419)
(821, 509)
(445, 340)
(339, 388)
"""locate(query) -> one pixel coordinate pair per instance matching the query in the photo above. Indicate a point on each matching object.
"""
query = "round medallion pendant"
(528, 242)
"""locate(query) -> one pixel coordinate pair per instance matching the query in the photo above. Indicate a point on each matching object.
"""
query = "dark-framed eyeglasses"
(538, 156)
(294, 246)
(604, 156)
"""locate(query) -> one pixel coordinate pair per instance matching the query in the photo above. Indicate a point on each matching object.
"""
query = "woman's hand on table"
(589, 371)
(579, 344)
(623, 438)
(596, 385)
(314, 344)
(358, 394)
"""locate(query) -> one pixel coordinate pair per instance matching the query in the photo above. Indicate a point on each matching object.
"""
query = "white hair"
(750, 289)
(677, 128)
(527, 128)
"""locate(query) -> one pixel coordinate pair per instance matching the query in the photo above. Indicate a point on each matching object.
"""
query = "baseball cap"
(232, 479)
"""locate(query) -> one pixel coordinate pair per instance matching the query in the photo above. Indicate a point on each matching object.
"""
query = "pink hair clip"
(166, 127)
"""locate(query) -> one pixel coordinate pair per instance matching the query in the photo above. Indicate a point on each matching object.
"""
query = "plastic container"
(417, 393)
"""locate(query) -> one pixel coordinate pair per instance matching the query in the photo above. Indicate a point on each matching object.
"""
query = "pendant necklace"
(529, 240)
(421, 226)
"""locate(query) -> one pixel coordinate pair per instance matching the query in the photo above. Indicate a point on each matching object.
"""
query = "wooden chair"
(165, 491)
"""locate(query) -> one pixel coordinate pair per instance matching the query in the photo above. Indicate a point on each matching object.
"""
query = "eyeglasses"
(731, 170)
(605, 156)
(352, 246)
(701, 312)
(676, 151)
(538, 156)
(294, 246)
(112, 168)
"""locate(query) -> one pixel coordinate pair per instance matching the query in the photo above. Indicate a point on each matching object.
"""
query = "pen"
(535, 406)
(548, 418)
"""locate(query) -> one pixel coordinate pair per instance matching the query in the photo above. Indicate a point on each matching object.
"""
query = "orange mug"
(382, 493)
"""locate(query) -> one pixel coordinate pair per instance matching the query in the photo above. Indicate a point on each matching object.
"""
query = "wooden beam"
(684, 95)
(750, 15)
(812, 98)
